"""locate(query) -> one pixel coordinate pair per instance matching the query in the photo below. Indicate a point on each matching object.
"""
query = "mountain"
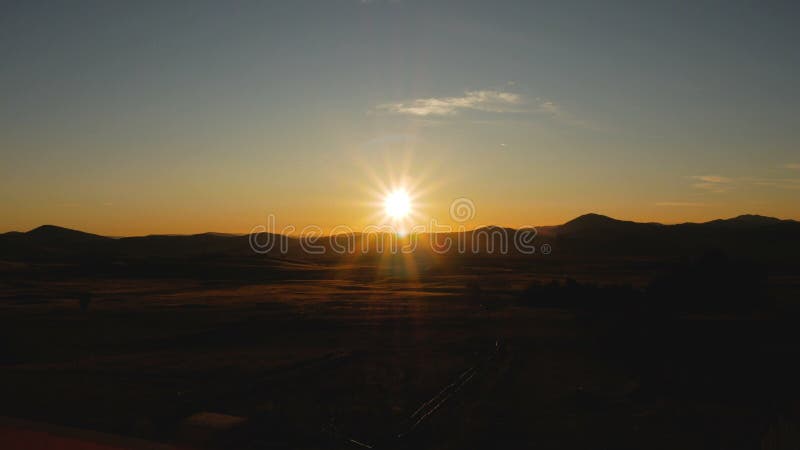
(748, 221)
(52, 233)
(592, 221)
(592, 235)
(49, 242)
(746, 235)
(597, 223)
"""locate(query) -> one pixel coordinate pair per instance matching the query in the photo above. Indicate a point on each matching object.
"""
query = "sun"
(397, 204)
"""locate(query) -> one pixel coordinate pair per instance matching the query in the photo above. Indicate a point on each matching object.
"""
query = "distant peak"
(56, 231)
(50, 229)
(755, 218)
(592, 218)
(748, 220)
(598, 222)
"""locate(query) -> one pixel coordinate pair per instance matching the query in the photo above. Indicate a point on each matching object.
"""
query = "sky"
(131, 118)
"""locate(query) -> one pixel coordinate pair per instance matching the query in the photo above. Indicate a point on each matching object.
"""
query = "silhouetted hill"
(54, 233)
(748, 221)
(50, 242)
(181, 246)
(746, 235)
(588, 235)
(595, 224)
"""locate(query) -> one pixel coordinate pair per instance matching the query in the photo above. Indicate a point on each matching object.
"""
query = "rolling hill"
(588, 235)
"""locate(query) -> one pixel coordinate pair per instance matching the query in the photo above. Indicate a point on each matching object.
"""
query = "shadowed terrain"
(625, 335)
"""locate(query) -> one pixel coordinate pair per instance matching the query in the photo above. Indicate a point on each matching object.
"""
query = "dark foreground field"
(626, 336)
(482, 355)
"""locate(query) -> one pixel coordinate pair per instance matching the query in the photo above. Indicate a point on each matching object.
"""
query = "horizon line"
(324, 235)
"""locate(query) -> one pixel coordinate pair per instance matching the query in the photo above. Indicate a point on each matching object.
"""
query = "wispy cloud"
(712, 183)
(559, 114)
(549, 107)
(793, 166)
(780, 183)
(484, 100)
(682, 204)
(712, 178)
(720, 184)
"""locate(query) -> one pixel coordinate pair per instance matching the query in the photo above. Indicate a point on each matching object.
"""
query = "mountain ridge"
(582, 222)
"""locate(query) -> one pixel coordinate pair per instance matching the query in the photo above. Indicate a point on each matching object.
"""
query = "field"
(334, 356)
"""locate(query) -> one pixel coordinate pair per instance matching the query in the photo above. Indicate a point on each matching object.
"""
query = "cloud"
(484, 100)
(780, 183)
(712, 183)
(793, 166)
(549, 107)
(681, 204)
(712, 178)
(559, 114)
(488, 101)
(719, 184)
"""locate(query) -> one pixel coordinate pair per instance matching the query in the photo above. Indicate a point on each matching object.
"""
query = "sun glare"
(397, 204)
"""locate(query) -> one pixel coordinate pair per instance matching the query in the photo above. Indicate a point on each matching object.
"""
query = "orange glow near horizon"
(363, 191)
